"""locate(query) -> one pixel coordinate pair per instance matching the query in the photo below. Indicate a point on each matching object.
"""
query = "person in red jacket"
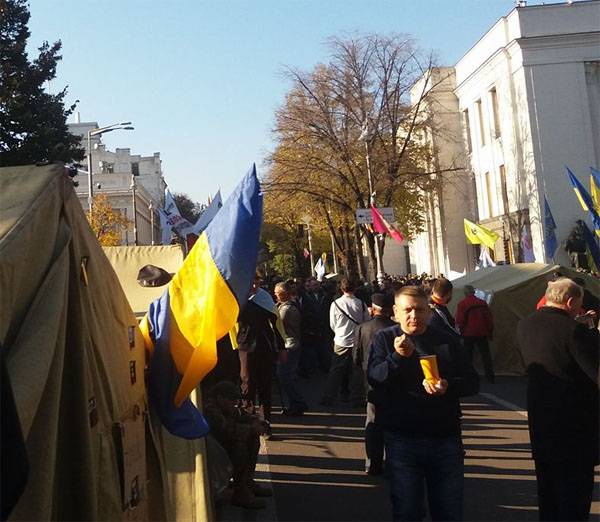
(475, 322)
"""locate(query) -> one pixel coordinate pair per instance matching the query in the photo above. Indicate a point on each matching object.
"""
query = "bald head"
(566, 294)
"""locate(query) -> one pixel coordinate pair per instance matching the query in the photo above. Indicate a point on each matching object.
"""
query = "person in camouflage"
(238, 432)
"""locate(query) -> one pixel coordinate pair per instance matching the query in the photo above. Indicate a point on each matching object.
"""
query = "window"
(504, 189)
(494, 98)
(481, 125)
(467, 130)
(488, 191)
(135, 169)
(107, 168)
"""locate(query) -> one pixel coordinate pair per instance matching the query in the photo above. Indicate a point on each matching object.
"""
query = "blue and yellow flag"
(200, 306)
(595, 188)
(592, 251)
(550, 242)
(585, 200)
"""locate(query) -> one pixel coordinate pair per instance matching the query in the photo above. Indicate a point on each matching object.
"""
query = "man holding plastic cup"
(419, 409)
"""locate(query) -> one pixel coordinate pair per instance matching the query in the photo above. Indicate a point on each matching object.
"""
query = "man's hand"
(404, 346)
(438, 388)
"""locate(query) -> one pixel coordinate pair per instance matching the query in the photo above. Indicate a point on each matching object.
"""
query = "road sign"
(363, 215)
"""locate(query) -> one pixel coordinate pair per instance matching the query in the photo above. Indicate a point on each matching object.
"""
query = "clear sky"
(200, 80)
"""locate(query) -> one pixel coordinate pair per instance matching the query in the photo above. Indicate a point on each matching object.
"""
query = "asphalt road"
(315, 463)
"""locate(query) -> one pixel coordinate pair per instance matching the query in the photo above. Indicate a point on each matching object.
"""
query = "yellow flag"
(478, 235)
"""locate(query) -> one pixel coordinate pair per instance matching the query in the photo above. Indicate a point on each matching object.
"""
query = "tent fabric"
(127, 262)
(178, 465)
(74, 356)
(515, 291)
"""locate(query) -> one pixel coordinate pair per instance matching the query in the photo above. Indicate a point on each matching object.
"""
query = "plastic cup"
(430, 368)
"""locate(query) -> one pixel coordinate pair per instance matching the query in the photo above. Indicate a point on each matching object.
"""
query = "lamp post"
(151, 209)
(365, 136)
(135, 230)
(98, 132)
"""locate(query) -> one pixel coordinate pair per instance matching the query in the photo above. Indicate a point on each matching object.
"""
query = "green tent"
(512, 292)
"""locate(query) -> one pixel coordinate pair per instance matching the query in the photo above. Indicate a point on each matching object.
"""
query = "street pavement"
(315, 463)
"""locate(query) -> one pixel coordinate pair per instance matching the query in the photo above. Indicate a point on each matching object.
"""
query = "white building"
(129, 180)
(528, 98)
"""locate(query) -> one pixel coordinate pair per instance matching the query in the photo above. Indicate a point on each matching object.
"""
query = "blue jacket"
(402, 403)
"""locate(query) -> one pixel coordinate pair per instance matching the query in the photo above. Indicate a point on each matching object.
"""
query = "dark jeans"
(287, 373)
(373, 441)
(256, 375)
(564, 490)
(482, 345)
(339, 371)
(316, 354)
(435, 462)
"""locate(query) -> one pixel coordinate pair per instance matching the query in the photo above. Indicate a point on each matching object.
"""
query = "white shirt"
(342, 326)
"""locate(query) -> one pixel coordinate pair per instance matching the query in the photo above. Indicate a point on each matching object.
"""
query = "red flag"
(383, 227)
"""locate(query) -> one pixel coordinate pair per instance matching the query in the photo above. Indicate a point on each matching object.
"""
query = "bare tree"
(346, 116)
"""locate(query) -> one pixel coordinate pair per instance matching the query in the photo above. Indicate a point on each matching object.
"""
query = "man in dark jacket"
(561, 357)
(259, 343)
(441, 295)
(420, 418)
(381, 310)
(475, 322)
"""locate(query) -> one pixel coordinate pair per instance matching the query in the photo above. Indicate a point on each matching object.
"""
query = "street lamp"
(365, 136)
(135, 229)
(125, 125)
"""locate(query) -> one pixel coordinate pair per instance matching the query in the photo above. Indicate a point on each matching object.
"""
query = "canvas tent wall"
(127, 262)
(74, 355)
(75, 362)
(180, 464)
(514, 291)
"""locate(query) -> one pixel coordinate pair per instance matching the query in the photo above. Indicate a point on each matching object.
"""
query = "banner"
(207, 216)
(174, 219)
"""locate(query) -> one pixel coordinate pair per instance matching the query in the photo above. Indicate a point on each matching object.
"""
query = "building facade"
(527, 99)
(134, 185)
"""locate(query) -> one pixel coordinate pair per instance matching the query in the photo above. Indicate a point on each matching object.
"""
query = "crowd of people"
(374, 345)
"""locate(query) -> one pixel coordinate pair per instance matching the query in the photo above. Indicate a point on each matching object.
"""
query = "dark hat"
(151, 275)
(382, 300)
(227, 389)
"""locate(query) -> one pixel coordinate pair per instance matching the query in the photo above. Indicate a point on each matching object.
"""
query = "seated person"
(238, 432)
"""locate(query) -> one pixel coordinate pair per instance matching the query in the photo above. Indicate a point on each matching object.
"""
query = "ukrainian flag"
(477, 235)
(595, 188)
(200, 306)
(585, 200)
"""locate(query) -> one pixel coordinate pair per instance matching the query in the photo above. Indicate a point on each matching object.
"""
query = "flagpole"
(378, 257)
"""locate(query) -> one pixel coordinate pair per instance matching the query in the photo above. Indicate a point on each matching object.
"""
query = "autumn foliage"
(107, 223)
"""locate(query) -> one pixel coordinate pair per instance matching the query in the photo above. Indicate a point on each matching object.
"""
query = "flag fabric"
(200, 306)
(592, 251)
(320, 269)
(550, 242)
(207, 216)
(585, 199)
(527, 245)
(485, 259)
(595, 188)
(175, 220)
(382, 226)
(478, 235)
(164, 227)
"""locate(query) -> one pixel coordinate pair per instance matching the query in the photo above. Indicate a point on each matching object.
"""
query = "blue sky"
(201, 80)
